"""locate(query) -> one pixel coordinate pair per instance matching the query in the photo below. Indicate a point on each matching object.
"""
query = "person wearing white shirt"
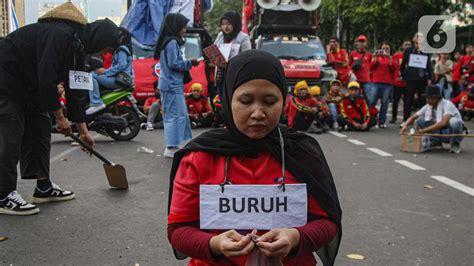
(438, 116)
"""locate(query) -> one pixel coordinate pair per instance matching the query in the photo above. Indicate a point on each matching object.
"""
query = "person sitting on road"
(465, 102)
(199, 109)
(355, 114)
(303, 110)
(122, 63)
(250, 148)
(333, 99)
(218, 117)
(152, 108)
(324, 116)
(438, 116)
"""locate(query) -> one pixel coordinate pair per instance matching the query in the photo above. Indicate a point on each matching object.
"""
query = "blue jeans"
(333, 111)
(107, 82)
(455, 126)
(375, 91)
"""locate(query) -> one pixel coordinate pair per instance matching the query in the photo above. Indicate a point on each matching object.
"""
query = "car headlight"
(329, 74)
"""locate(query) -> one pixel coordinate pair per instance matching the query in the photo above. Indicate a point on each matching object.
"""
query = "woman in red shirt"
(253, 150)
(382, 81)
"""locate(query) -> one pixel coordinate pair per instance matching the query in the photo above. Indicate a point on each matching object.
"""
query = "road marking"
(68, 151)
(454, 184)
(356, 142)
(379, 152)
(410, 165)
(337, 134)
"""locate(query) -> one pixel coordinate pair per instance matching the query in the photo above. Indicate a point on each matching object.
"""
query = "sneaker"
(335, 126)
(325, 128)
(193, 124)
(149, 126)
(95, 109)
(393, 121)
(169, 152)
(403, 124)
(313, 129)
(455, 148)
(382, 125)
(14, 204)
(54, 193)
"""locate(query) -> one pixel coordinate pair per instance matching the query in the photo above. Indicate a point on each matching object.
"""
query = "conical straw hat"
(67, 11)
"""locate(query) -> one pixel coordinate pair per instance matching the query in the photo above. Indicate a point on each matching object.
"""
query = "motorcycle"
(120, 119)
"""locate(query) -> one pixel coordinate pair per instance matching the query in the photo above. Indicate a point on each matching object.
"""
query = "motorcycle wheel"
(133, 120)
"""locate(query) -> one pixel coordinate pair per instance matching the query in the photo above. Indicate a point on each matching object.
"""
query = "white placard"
(79, 80)
(234, 50)
(418, 61)
(246, 207)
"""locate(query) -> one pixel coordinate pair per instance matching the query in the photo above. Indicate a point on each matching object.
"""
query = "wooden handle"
(90, 149)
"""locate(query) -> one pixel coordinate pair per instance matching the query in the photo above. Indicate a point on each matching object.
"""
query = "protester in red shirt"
(248, 152)
(218, 117)
(339, 60)
(467, 65)
(399, 85)
(359, 60)
(355, 114)
(456, 72)
(303, 111)
(465, 102)
(199, 109)
(382, 81)
(152, 108)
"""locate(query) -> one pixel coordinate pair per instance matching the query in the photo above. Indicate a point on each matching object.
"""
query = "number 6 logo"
(440, 34)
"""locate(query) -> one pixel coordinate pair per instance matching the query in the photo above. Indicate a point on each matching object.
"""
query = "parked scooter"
(120, 119)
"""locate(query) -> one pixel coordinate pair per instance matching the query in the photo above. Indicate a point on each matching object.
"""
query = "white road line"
(356, 142)
(410, 165)
(68, 151)
(337, 134)
(454, 184)
(379, 152)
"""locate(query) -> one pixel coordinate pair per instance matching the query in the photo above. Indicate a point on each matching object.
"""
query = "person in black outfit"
(34, 60)
(417, 78)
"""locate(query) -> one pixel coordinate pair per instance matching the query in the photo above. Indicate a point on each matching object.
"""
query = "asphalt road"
(392, 214)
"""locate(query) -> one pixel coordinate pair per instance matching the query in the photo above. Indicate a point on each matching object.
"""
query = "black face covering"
(170, 30)
(99, 35)
(303, 155)
(236, 22)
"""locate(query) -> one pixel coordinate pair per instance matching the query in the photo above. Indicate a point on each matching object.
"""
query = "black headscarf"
(303, 155)
(170, 29)
(126, 39)
(236, 22)
(99, 35)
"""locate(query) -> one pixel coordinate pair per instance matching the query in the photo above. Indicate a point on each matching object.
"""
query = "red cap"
(361, 38)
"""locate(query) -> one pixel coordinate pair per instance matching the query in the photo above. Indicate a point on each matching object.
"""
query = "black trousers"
(203, 122)
(397, 94)
(372, 122)
(25, 137)
(413, 88)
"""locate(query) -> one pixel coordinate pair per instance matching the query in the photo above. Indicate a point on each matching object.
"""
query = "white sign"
(225, 50)
(246, 207)
(418, 61)
(79, 80)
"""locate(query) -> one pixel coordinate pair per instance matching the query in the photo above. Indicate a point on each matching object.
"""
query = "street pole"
(338, 23)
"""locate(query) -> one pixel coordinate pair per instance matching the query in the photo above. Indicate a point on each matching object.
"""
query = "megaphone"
(268, 4)
(309, 5)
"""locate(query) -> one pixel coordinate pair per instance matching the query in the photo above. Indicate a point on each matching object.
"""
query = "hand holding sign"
(277, 243)
(231, 244)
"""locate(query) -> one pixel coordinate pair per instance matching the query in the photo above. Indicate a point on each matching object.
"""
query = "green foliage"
(212, 19)
(380, 20)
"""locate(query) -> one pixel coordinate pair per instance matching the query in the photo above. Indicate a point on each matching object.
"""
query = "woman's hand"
(231, 244)
(100, 71)
(277, 243)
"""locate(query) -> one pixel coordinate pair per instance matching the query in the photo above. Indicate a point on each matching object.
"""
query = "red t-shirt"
(309, 102)
(340, 61)
(382, 70)
(363, 74)
(198, 168)
(457, 71)
(467, 62)
(197, 107)
(464, 99)
(356, 109)
(397, 62)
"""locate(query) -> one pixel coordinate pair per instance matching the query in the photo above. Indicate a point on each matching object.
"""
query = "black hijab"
(126, 39)
(303, 155)
(236, 22)
(170, 29)
(99, 35)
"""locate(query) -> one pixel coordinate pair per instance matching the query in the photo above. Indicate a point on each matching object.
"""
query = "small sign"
(79, 80)
(418, 61)
(245, 207)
